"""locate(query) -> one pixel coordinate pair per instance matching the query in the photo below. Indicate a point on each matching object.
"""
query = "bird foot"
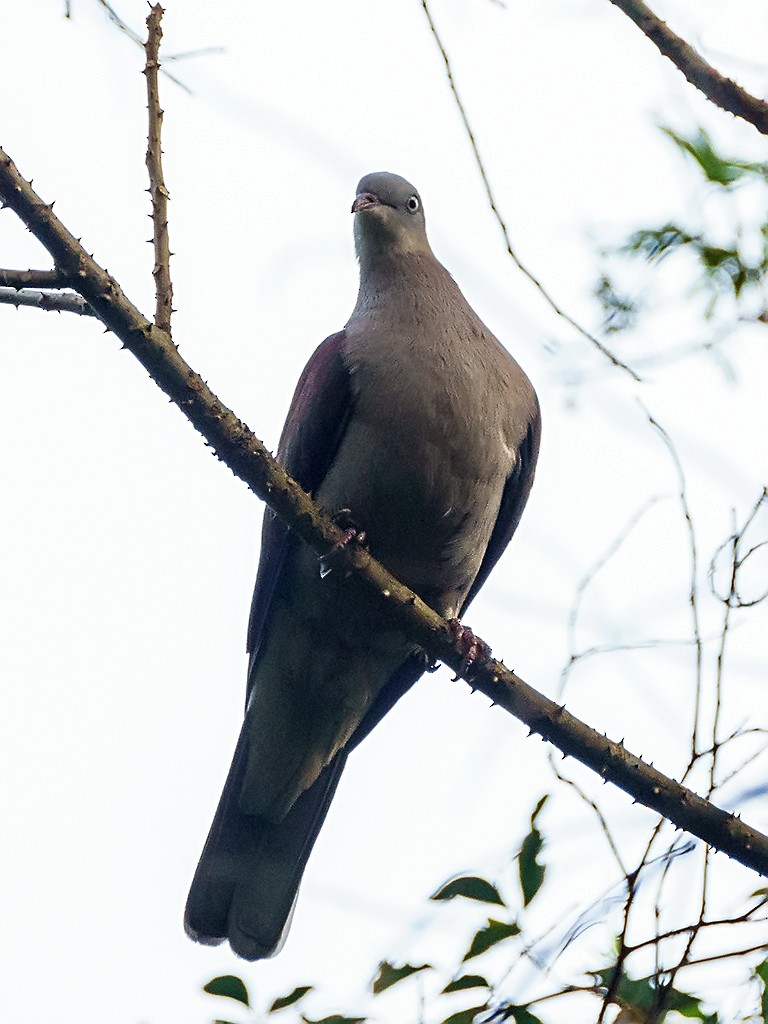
(475, 651)
(351, 532)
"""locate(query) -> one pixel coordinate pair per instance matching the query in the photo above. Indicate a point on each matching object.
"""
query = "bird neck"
(384, 273)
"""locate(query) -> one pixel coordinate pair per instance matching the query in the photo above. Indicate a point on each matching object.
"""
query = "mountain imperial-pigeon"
(419, 428)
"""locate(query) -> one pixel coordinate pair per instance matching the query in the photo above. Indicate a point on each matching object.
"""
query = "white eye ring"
(412, 206)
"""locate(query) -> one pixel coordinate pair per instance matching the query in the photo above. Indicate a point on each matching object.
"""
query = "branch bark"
(247, 457)
(157, 190)
(721, 91)
(51, 302)
(32, 279)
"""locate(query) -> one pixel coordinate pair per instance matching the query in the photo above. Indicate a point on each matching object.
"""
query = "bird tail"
(246, 883)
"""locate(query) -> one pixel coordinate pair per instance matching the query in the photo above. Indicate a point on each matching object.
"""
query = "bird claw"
(475, 651)
(351, 532)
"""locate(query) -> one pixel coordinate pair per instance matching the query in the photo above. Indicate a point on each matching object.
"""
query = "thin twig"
(721, 91)
(760, 948)
(567, 991)
(582, 586)
(730, 602)
(124, 27)
(51, 302)
(745, 763)
(247, 457)
(611, 991)
(597, 812)
(494, 208)
(157, 190)
(693, 599)
(745, 918)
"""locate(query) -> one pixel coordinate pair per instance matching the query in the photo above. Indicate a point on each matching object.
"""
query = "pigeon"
(419, 432)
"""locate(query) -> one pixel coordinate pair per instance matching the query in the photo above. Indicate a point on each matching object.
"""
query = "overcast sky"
(128, 553)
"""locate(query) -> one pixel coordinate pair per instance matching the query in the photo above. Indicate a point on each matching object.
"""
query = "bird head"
(389, 217)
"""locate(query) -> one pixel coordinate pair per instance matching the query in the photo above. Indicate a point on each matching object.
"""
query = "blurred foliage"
(472, 888)
(389, 975)
(230, 986)
(293, 997)
(531, 872)
(715, 168)
(650, 999)
(654, 999)
(726, 269)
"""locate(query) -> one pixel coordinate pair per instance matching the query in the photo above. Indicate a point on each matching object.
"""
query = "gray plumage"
(416, 420)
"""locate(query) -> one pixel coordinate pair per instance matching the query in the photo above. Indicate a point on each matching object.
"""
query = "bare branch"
(159, 193)
(32, 279)
(721, 91)
(491, 199)
(761, 947)
(52, 302)
(745, 918)
(597, 812)
(247, 457)
(115, 18)
(574, 656)
(693, 596)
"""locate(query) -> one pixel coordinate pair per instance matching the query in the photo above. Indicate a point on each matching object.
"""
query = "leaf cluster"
(734, 269)
(648, 1000)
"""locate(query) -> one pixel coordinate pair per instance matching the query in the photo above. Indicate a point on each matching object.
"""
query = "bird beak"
(364, 201)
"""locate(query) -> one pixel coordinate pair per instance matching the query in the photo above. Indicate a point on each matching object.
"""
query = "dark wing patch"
(516, 491)
(317, 419)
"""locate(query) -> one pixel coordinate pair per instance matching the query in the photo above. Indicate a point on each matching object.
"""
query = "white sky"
(128, 554)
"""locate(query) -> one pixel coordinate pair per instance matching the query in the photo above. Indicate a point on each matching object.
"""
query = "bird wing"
(314, 427)
(317, 419)
(516, 491)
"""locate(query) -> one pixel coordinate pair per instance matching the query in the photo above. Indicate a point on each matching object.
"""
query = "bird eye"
(413, 204)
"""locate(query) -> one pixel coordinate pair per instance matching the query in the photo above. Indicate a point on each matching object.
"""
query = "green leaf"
(521, 1015)
(335, 1018)
(472, 888)
(642, 994)
(762, 972)
(716, 168)
(293, 997)
(465, 1016)
(389, 975)
(689, 1006)
(465, 981)
(531, 872)
(655, 243)
(493, 933)
(230, 986)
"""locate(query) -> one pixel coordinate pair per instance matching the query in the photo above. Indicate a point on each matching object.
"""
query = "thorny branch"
(246, 456)
(32, 279)
(721, 91)
(41, 289)
(497, 214)
(157, 190)
(51, 302)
